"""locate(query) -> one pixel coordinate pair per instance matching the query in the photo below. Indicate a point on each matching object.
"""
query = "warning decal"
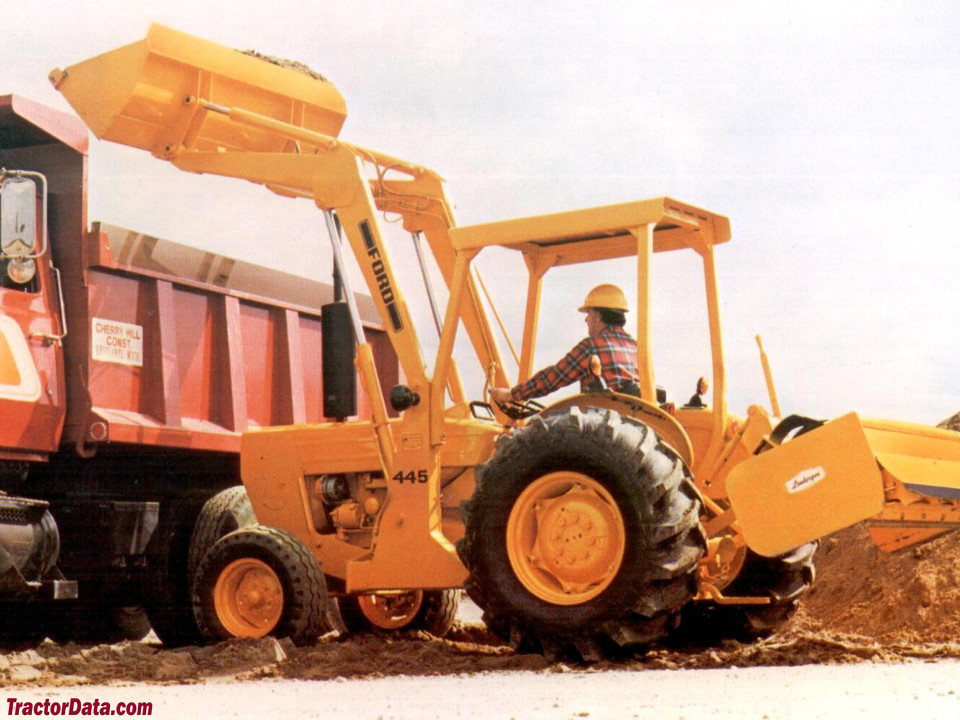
(116, 342)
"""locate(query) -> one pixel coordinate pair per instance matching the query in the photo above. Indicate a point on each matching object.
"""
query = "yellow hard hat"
(605, 296)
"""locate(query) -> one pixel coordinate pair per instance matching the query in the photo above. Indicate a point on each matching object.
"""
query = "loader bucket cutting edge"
(136, 95)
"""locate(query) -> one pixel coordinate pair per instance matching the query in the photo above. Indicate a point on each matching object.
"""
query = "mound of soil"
(911, 595)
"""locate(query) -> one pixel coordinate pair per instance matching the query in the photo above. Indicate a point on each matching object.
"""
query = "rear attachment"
(904, 479)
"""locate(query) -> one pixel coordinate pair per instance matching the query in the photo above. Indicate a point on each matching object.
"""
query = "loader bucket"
(147, 95)
(903, 478)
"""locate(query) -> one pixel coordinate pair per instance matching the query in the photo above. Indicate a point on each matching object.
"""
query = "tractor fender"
(669, 430)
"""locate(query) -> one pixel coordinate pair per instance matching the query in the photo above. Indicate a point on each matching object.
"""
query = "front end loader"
(601, 523)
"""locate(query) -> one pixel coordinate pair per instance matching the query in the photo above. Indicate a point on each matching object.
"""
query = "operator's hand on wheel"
(511, 408)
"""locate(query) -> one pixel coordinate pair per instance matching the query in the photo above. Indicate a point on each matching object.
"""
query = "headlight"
(21, 270)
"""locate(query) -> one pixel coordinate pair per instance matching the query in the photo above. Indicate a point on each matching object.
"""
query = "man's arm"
(571, 367)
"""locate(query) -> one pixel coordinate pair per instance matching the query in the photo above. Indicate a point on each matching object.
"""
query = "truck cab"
(43, 157)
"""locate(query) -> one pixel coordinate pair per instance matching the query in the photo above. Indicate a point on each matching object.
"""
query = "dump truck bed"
(180, 347)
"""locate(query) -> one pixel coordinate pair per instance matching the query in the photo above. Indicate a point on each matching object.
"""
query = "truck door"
(31, 357)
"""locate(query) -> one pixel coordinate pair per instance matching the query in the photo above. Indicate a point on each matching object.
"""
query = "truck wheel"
(583, 536)
(166, 582)
(430, 610)
(225, 512)
(130, 622)
(260, 581)
(783, 579)
(22, 624)
(85, 622)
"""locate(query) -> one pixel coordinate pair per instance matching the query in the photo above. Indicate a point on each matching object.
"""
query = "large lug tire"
(225, 512)
(583, 536)
(432, 611)
(167, 583)
(260, 581)
(782, 579)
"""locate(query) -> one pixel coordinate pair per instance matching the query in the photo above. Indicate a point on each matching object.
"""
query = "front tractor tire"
(259, 581)
(583, 536)
(432, 611)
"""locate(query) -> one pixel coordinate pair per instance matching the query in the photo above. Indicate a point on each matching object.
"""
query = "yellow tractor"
(600, 523)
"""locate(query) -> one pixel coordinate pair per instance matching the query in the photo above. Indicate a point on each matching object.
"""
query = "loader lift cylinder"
(338, 341)
(339, 362)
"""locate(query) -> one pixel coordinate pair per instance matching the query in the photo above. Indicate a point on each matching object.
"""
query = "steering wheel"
(520, 410)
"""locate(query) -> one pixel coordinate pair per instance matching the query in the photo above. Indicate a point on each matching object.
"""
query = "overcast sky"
(827, 132)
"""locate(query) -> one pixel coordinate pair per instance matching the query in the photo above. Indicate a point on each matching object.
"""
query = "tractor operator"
(605, 307)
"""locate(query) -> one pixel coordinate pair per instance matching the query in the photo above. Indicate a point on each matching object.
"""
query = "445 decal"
(413, 476)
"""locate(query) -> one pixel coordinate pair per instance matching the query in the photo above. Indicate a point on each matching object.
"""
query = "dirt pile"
(951, 423)
(468, 650)
(911, 595)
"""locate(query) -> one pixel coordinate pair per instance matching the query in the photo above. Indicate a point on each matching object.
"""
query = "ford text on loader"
(600, 523)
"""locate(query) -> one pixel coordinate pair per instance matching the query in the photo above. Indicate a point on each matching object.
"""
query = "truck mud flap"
(816, 484)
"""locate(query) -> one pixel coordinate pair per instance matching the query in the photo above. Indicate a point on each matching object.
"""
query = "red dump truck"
(129, 366)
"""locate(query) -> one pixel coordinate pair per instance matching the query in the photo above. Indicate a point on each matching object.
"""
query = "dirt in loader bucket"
(865, 606)
(288, 64)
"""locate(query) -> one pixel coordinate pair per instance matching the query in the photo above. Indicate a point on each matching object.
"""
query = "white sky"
(827, 132)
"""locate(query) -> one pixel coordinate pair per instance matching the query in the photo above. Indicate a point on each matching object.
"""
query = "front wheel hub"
(249, 598)
(565, 538)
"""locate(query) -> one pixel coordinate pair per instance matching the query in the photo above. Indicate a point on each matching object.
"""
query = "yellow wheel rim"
(248, 598)
(565, 538)
(390, 611)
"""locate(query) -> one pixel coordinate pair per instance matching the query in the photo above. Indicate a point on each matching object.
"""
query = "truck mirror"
(18, 216)
(18, 227)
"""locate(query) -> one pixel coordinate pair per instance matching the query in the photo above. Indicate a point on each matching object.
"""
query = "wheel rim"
(390, 611)
(248, 598)
(565, 538)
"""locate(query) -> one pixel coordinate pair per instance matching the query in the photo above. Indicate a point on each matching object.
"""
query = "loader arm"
(423, 204)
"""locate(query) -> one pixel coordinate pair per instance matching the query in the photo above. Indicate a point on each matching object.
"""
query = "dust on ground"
(865, 606)
(468, 650)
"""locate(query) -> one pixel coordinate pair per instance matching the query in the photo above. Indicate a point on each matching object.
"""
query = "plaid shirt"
(618, 357)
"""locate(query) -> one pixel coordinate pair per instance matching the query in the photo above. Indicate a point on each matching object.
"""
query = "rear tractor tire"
(432, 611)
(260, 581)
(583, 536)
